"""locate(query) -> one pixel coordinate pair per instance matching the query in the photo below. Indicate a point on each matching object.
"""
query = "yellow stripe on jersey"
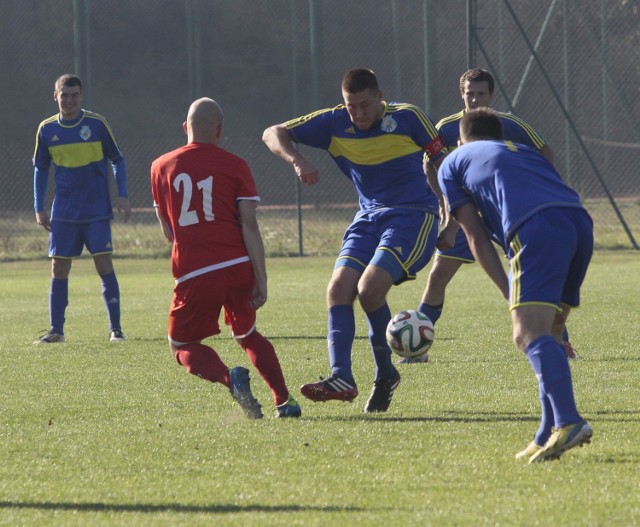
(418, 248)
(374, 150)
(516, 271)
(303, 119)
(421, 242)
(76, 154)
(533, 135)
(450, 118)
(394, 107)
(511, 146)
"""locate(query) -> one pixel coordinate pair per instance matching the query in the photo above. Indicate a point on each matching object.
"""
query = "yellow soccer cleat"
(531, 449)
(562, 439)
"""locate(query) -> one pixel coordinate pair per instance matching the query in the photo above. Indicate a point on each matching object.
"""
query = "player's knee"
(520, 340)
(443, 271)
(371, 299)
(339, 293)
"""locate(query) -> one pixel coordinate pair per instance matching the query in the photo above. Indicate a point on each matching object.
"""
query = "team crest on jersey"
(388, 124)
(85, 132)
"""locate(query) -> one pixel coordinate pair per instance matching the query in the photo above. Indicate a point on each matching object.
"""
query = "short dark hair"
(481, 123)
(477, 75)
(359, 79)
(69, 80)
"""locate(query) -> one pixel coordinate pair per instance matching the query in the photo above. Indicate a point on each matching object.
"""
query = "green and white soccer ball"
(410, 334)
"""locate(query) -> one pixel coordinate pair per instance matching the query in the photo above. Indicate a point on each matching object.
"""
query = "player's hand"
(42, 218)
(447, 236)
(123, 206)
(306, 172)
(259, 295)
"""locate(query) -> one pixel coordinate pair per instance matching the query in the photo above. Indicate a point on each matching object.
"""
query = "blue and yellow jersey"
(79, 151)
(385, 162)
(507, 182)
(514, 129)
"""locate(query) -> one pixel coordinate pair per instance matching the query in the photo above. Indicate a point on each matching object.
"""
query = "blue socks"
(58, 300)
(433, 312)
(551, 366)
(111, 296)
(378, 321)
(342, 331)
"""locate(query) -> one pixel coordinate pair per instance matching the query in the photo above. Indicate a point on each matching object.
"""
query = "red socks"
(204, 362)
(262, 355)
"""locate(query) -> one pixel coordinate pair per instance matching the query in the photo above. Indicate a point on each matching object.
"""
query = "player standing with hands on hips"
(379, 146)
(78, 143)
(512, 193)
(206, 200)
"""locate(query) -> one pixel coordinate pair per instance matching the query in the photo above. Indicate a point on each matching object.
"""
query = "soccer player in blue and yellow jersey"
(78, 143)
(476, 90)
(379, 146)
(512, 193)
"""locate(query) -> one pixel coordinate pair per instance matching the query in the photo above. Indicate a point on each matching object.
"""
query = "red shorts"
(197, 304)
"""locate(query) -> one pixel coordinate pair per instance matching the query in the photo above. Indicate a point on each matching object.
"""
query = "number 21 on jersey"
(189, 216)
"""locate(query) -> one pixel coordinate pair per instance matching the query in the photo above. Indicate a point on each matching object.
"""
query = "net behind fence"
(568, 67)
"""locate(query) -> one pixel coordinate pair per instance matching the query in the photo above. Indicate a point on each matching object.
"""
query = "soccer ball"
(410, 334)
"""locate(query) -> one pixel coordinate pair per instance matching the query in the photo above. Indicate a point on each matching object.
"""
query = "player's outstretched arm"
(481, 246)
(255, 248)
(279, 141)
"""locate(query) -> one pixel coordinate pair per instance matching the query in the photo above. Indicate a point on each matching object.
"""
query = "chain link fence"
(571, 68)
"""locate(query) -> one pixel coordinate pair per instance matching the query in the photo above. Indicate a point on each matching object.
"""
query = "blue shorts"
(401, 241)
(460, 251)
(66, 240)
(549, 257)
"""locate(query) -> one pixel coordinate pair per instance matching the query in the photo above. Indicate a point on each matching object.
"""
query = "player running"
(206, 199)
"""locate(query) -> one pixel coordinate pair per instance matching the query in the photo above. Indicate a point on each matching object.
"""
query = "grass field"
(321, 228)
(119, 435)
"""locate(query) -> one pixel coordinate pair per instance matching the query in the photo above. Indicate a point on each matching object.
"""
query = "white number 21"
(187, 216)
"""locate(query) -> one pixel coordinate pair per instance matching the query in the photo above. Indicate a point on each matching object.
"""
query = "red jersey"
(196, 189)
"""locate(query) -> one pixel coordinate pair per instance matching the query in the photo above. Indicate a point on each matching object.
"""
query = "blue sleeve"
(40, 180)
(449, 183)
(314, 129)
(120, 173)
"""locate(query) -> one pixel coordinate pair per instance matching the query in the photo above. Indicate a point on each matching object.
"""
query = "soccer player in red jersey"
(206, 199)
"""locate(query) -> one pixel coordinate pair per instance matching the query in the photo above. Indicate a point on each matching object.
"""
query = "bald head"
(204, 121)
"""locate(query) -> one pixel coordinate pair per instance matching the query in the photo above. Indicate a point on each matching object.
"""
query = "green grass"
(99, 434)
(322, 229)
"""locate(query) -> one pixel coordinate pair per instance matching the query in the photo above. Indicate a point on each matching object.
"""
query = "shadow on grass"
(617, 416)
(170, 507)
(475, 418)
(323, 337)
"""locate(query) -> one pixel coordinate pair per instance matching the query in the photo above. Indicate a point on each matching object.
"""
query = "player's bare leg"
(442, 272)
